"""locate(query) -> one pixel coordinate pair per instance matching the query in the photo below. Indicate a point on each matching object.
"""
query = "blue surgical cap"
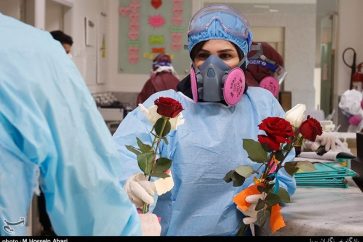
(220, 22)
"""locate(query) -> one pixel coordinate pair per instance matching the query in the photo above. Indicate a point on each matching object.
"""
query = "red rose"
(168, 107)
(269, 142)
(310, 128)
(277, 130)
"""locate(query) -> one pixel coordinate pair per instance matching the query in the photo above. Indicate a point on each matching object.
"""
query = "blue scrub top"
(203, 150)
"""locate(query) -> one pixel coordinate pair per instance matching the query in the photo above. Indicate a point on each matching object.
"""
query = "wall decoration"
(147, 28)
(156, 21)
(156, 39)
(156, 3)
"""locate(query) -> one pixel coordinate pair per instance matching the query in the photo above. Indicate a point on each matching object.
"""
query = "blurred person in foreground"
(52, 136)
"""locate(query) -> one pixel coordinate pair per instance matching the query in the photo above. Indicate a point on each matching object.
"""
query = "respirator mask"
(215, 81)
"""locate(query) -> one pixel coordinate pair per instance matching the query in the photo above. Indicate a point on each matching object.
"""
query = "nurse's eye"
(225, 56)
(202, 56)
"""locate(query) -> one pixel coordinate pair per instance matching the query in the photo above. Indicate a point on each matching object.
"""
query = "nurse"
(219, 112)
(52, 135)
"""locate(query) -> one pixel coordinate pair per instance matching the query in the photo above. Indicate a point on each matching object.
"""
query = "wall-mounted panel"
(147, 28)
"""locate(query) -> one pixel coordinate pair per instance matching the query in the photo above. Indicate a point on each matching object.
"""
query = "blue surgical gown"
(50, 128)
(203, 150)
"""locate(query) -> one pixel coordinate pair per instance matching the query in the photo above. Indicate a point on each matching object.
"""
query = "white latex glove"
(326, 139)
(150, 225)
(140, 190)
(251, 213)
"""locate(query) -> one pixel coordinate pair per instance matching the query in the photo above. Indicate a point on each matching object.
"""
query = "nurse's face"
(225, 50)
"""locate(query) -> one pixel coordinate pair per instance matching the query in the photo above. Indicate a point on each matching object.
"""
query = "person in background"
(52, 136)
(65, 40)
(266, 68)
(219, 112)
(162, 78)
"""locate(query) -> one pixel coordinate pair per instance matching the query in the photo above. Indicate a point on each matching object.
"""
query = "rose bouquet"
(165, 116)
(260, 201)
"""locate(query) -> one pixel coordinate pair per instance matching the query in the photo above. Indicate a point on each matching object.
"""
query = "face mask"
(70, 55)
(215, 81)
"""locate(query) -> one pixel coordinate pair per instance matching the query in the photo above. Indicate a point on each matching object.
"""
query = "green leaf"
(242, 230)
(262, 217)
(245, 171)
(159, 125)
(291, 167)
(260, 189)
(269, 187)
(286, 147)
(255, 150)
(133, 149)
(165, 140)
(145, 162)
(284, 195)
(237, 179)
(162, 164)
(272, 199)
(260, 204)
(279, 155)
(305, 166)
(228, 177)
(143, 147)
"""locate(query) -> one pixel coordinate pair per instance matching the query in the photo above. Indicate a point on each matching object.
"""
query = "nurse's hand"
(327, 140)
(150, 225)
(251, 213)
(140, 190)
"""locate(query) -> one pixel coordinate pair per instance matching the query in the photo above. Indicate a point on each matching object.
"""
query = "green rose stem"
(156, 141)
(296, 140)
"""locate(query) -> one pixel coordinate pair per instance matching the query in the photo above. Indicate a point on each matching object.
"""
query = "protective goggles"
(230, 20)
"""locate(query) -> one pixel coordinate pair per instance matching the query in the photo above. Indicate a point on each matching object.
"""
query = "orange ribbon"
(276, 220)
(240, 198)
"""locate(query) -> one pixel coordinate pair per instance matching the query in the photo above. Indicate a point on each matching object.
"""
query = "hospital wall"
(85, 56)
(11, 8)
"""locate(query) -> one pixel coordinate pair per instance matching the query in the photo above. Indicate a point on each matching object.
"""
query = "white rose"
(296, 115)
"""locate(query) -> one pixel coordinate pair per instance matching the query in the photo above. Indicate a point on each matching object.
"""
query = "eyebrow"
(219, 51)
(225, 50)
